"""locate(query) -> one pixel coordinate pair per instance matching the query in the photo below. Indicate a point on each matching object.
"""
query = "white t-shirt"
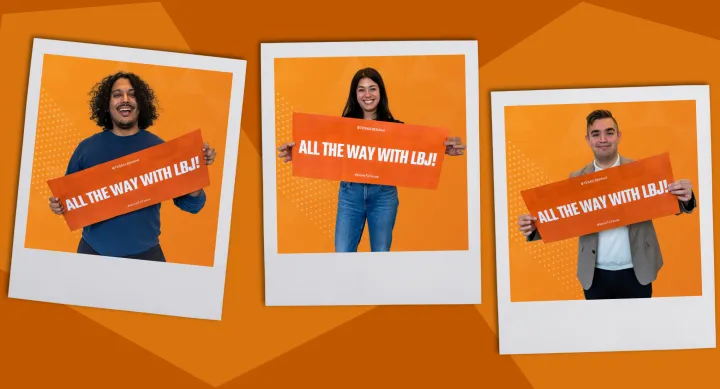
(613, 252)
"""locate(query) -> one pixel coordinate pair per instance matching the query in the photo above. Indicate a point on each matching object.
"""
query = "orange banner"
(133, 182)
(367, 151)
(610, 198)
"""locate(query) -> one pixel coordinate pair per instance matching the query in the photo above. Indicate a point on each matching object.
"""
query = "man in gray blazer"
(621, 262)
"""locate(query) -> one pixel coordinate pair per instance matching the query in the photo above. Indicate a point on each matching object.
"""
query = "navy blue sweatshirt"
(137, 231)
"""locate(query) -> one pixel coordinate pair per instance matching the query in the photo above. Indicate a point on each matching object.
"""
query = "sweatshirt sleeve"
(189, 203)
(75, 165)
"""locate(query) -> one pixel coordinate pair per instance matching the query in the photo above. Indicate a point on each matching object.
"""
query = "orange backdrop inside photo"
(188, 100)
(422, 90)
(546, 143)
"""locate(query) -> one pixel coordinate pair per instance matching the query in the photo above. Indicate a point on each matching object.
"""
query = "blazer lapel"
(589, 168)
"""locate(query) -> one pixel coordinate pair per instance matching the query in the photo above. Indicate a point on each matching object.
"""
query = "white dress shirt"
(613, 252)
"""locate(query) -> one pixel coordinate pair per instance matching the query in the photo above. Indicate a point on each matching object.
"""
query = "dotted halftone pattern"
(55, 140)
(316, 199)
(559, 259)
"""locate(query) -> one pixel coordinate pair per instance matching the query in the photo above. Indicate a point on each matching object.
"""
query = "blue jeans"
(357, 203)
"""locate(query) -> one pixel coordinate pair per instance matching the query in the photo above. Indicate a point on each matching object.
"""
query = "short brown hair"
(600, 114)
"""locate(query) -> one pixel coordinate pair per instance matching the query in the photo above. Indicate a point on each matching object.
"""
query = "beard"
(124, 124)
(121, 122)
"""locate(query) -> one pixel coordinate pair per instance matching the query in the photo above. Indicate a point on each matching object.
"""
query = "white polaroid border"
(389, 278)
(106, 282)
(605, 325)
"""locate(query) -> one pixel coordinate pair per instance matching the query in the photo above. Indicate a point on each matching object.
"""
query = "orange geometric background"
(523, 45)
(188, 99)
(534, 137)
(422, 90)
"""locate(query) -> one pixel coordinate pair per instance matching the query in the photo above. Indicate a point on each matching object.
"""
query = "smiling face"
(603, 137)
(123, 105)
(368, 95)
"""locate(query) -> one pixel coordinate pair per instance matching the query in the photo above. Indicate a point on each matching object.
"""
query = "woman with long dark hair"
(358, 203)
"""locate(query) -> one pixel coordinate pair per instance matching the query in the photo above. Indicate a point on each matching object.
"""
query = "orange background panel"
(544, 144)
(422, 90)
(188, 100)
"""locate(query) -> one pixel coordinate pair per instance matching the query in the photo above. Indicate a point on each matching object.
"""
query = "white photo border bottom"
(382, 278)
(128, 285)
(658, 323)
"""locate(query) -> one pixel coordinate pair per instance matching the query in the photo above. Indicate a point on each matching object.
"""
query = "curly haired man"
(124, 106)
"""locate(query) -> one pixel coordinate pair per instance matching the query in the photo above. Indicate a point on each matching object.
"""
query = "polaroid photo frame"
(106, 282)
(658, 323)
(370, 278)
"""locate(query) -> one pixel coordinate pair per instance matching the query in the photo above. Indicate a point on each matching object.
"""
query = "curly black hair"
(100, 100)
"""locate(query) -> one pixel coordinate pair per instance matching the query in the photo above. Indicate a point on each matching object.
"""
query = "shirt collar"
(617, 162)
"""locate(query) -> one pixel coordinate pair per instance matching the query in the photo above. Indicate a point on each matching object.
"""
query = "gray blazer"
(644, 247)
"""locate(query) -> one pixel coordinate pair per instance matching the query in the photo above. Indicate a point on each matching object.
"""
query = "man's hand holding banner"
(135, 181)
(367, 151)
(610, 198)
